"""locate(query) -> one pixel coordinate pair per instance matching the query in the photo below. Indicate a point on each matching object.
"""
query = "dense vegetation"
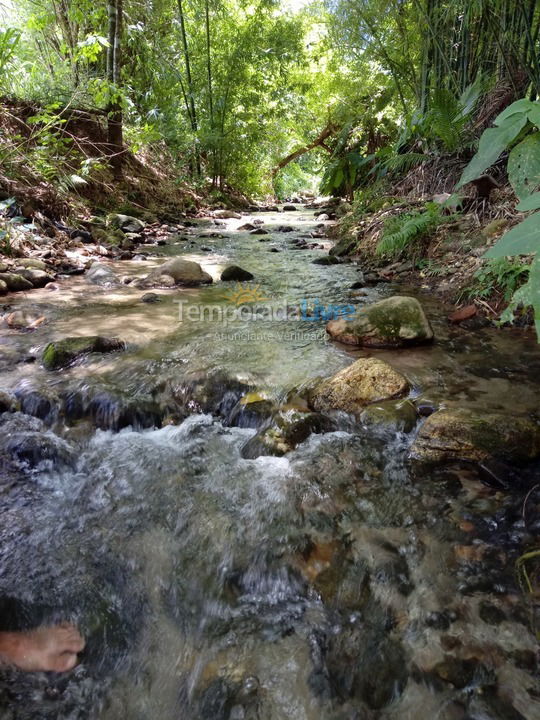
(375, 99)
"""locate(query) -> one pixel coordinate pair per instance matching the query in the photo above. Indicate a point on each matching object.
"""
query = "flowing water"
(328, 584)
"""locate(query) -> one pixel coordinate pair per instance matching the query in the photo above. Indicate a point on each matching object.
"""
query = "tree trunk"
(114, 108)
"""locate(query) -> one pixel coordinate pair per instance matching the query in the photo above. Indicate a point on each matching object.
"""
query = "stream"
(332, 583)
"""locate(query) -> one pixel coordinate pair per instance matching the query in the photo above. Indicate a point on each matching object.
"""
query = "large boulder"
(183, 272)
(126, 223)
(63, 353)
(398, 321)
(464, 435)
(234, 272)
(15, 282)
(366, 381)
(3, 287)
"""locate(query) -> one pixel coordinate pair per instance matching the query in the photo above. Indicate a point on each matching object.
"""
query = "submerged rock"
(101, 274)
(289, 428)
(183, 272)
(395, 415)
(460, 434)
(398, 321)
(234, 272)
(366, 381)
(251, 411)
(26, 442)
(61, 353)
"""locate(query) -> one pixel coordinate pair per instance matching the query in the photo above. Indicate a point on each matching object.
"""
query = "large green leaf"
(520, 106)
(492, 143)
(524, 166)
(520, 240)
(530, 203)
(534, 283)
(534, 114)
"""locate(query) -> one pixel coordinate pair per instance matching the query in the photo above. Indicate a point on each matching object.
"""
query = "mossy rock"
(398, 321)
(366, 381)
(346, 246)
(63, 353)
(3, 287)
(464, 435)
(15, 282)
(395, 415)
(126, 223)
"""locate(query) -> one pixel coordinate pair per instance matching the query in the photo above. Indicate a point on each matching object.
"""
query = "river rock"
(394, 415)
(126, 223)
(346, 246)
(34, 263)
(24, 320)
(183, 272)
(64, 352)
(251, 411)
(246, 226)
(326, 260)
(398, 321)
(101, 274)
(33, 449)
(234, 272)
(289, 208)
(463, 435)
(38, 402)
(259, 231)
(366, 381)
(15, 282)
(38, 278)
(227, 215)
(150, 298)
(288, 429)
(8, 402)
(3, 287)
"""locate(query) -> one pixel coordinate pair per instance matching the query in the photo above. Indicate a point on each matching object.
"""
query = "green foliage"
(498, 275)
(402, 231)
(9, 39)
(524, 174)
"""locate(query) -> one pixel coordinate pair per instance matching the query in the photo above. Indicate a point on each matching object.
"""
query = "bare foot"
(45, 648)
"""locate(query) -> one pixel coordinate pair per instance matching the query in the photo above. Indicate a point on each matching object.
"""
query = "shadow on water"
(328, 584)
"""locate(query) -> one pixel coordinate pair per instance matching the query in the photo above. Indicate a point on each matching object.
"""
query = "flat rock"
(463, 435)
(366, 381)
(398, 321)
(462, 314)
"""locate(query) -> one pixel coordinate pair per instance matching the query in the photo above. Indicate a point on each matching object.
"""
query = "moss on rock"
(397, 321)
(63, 353)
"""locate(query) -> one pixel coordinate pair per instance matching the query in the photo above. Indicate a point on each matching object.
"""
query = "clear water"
(326, 584)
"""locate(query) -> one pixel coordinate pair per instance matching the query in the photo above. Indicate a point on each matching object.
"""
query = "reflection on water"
(325, 585)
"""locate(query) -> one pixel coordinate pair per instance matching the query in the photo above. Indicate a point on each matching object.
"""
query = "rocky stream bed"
(273, 513)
